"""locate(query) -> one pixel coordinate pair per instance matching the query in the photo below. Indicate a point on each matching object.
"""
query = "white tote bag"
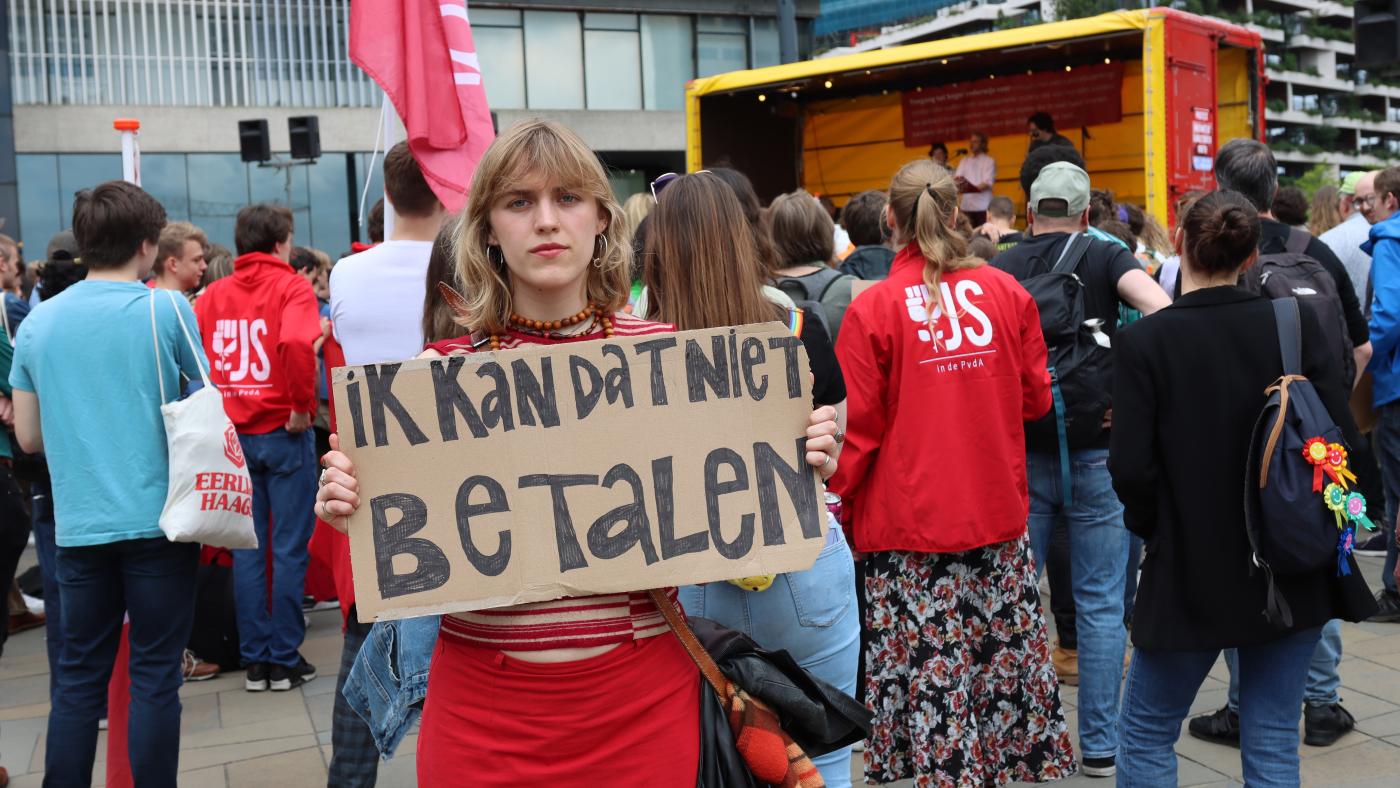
(210, 500)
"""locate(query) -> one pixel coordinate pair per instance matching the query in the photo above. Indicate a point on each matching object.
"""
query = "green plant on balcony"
(1268, 19)
(1276, 105)
(1318, 29)
(1324, 136)
(1288, 61)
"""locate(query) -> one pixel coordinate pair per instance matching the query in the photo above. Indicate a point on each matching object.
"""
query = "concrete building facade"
(189, 70)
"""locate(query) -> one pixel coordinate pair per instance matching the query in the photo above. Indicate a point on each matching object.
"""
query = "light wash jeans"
(1162, 685)
(1099, 565)
(1323, 679)
(810, 615)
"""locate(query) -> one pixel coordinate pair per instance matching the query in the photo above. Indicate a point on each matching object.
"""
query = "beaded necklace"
(542, 326)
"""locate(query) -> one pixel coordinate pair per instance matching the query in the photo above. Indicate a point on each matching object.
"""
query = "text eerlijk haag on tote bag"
(625, 464)
(210, 498)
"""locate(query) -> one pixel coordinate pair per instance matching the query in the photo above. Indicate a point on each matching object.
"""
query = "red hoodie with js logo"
(259, 327)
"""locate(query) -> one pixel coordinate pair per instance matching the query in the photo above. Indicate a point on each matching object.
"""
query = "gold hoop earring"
(498, 263)
(598, 258)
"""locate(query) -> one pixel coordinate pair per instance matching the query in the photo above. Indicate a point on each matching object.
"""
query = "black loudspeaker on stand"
(253, 142)
(305, 134)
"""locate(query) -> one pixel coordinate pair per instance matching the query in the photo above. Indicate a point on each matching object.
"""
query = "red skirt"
(627, 717)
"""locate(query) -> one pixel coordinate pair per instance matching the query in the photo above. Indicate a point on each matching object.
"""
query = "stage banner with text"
(495, 479)
(1086, 96)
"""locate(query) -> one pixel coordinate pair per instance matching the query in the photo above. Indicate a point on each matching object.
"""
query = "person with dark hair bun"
(1188, 385)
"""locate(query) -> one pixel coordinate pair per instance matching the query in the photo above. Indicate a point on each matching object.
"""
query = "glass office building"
(218, 61)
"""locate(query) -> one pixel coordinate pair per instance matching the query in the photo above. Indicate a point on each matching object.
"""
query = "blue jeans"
(1323, 679)
(41, 513)
(283, 467)
(811, 615)
(1099, 562)
(1162, 685)
(152, 580)
(1385, 442)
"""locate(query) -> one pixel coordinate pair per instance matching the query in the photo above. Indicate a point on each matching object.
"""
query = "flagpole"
(391, 136)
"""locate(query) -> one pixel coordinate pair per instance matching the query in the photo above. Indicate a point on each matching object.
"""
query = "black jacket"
(1189, 384)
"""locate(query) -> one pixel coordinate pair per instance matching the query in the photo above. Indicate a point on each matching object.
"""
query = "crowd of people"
(1067, 393)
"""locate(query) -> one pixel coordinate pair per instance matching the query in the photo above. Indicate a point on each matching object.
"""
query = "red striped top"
(578, 622)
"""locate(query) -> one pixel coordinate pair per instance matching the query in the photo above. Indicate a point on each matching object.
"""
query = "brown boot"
(1066, 662)
(19, 622)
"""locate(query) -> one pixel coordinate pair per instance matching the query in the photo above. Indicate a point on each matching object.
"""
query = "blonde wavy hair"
(531, 151)
(924, 199)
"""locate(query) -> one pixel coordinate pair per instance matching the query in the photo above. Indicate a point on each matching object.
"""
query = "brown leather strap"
(1281, 386)
(697, 652)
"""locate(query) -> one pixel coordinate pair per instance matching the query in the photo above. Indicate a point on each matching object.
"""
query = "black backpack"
(1079, 357)
(812, 287)
(1291, 525)
(1293, 274)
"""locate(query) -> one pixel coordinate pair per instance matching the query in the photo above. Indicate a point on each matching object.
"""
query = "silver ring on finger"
(322, 480)
(826, 462)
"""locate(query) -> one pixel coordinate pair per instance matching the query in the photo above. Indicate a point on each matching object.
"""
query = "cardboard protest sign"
(543, 472)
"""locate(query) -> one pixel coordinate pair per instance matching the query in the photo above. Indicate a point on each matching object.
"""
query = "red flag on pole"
(422, 54)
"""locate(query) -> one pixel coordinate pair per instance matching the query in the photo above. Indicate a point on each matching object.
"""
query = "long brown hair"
(924, 198)
(753, 213)
(1326, 210)
(703, 268)
(536, 149)
(440, 322)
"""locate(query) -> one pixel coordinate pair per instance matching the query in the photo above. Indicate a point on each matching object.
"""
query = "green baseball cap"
(1061, 181)
(1349, 182)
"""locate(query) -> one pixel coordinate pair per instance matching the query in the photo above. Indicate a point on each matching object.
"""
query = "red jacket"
(935, 455)
(259, 326)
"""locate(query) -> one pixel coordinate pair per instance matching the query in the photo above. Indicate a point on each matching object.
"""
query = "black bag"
(818, 716)
(214, 637)
(1079, 356)
(1291, 530)
(1293, 274)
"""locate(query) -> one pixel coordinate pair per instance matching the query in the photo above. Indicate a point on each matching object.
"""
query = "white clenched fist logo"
(234, 341)
(978, 328)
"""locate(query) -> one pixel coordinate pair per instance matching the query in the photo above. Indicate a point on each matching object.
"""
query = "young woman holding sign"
(944, 361)
(704, 271)
(583, 691)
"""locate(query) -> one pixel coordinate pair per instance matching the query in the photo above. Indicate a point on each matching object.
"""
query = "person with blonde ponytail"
(944, 362)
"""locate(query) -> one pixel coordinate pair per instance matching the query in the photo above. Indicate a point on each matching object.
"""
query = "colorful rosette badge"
(1350, 510)
(1330, 460)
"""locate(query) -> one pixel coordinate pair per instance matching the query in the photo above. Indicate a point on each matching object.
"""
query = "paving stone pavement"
(232, 738)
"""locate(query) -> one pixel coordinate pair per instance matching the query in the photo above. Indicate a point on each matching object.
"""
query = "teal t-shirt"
(89, 355)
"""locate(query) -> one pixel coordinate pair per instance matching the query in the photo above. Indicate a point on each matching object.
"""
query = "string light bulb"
(762, 97)
(1069, 68)
(828, 83)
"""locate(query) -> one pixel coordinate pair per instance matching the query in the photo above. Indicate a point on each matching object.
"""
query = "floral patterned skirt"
(958, 670)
